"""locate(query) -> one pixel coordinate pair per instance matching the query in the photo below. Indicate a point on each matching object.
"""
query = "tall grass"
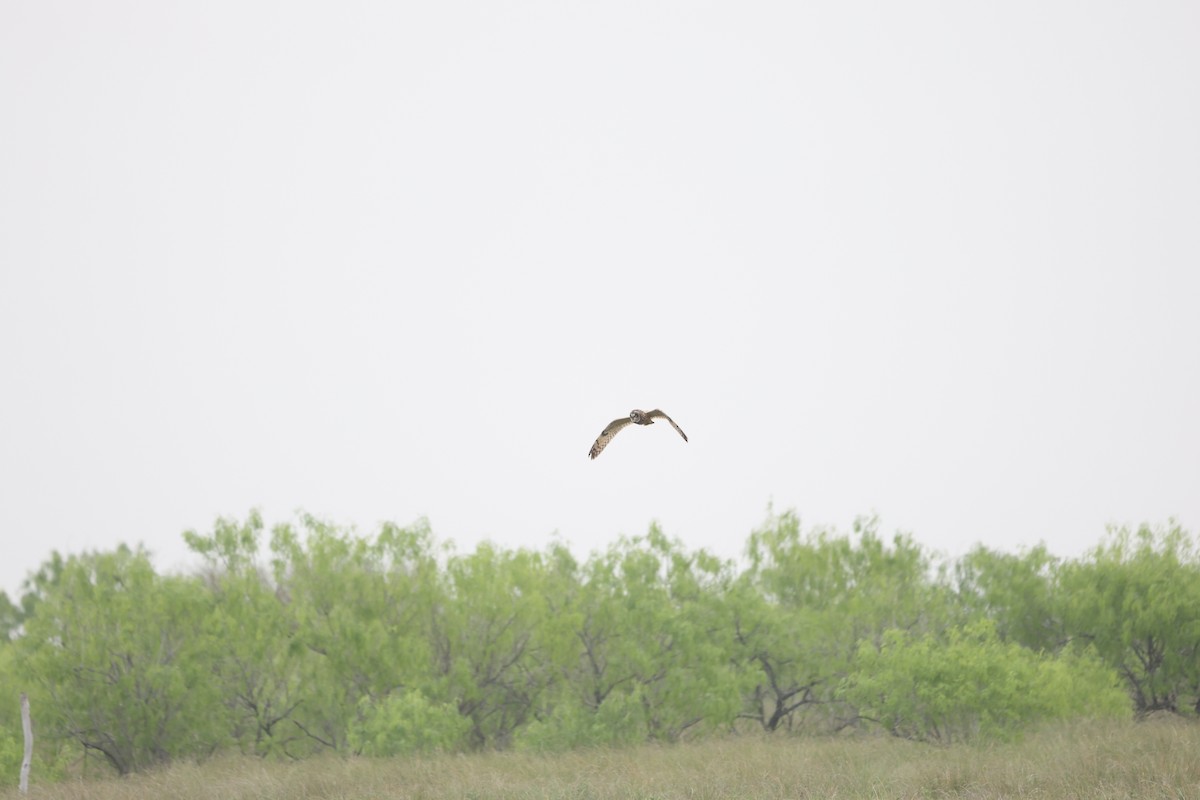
(1155, 759)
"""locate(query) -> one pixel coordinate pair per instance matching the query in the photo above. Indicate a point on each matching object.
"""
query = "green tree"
(494, 638)
(1136, 599)
(35, 587)
(808, 602)
(116, 663)
(1019, 592)
(257, 665)
(10, 618)
(11, 744)
(359, 612)
(654, 655)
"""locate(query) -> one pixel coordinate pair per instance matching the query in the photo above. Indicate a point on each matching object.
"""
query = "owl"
(637, 417)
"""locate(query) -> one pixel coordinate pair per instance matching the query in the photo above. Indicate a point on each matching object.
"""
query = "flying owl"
(637, 417)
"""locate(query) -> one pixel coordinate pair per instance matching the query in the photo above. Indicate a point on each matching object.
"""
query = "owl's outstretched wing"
(607, 435)
(658, 413)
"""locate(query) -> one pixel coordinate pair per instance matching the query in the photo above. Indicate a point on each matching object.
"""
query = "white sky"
(379, 260)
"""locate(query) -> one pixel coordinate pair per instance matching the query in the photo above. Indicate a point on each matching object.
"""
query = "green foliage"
(808, 601)
(389, 643)
(1075, 684)
(257, 667)
(653, 631)
(10, 618)
(494, 644)
(116, 662)
(968, 684)
(1019, 592)
(51, 756)
(12, 746)
(35, 586)
(358, 613)
(620, 719)
(12, 750)
(406, 723)
(1136, 600)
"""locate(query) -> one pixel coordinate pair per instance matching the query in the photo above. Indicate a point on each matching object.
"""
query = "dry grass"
(1157, 759)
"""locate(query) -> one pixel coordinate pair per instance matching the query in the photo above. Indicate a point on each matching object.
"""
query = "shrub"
(969, 684)
(406, 722)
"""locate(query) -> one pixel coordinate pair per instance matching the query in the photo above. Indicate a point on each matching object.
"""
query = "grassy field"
(1156, 759)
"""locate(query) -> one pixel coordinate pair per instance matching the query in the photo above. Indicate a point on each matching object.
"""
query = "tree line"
(311, 638)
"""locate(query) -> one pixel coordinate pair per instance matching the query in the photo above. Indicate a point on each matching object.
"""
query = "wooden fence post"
(27, 726)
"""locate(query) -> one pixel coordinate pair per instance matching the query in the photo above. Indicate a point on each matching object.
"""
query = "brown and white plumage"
(636, 417)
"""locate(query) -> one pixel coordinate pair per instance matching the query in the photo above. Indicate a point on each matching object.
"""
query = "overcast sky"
(938, 261)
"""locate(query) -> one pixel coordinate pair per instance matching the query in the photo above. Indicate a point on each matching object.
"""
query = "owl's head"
(636, 417)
